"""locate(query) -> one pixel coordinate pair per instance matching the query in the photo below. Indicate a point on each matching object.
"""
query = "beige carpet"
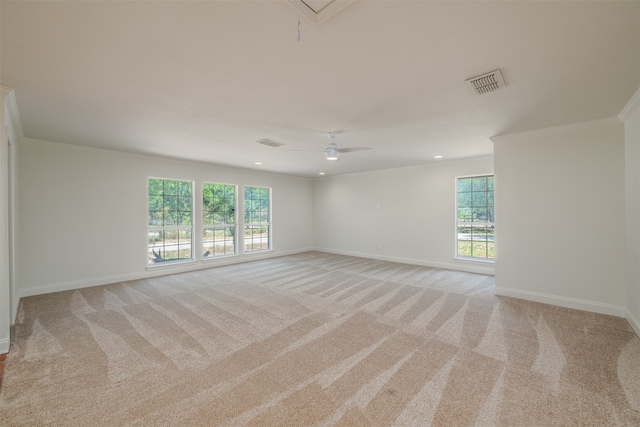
(316, 339)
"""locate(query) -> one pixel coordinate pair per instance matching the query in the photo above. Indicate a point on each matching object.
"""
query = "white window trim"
(179, 262)
(236, 240)
(171, 264)
(456, 223)
(269, 224)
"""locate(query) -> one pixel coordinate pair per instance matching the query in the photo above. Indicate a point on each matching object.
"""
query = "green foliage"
(464, 184)
(476, 241)
(479, 184)
(256, 205)
(464, 200)
(170, 202)
(170, 207)
(219, 203)
(475, 205)
(480, 250)
(475, 199)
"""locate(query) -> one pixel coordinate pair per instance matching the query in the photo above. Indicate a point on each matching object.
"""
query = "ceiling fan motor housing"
(331, 152)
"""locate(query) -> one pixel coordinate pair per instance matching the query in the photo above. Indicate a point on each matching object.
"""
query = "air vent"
(486, 83)
(270, 143)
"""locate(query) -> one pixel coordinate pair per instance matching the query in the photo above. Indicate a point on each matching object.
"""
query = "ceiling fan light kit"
(331, 152)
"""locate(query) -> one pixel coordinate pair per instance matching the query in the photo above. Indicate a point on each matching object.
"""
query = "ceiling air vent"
(270, 143)
(486, 83)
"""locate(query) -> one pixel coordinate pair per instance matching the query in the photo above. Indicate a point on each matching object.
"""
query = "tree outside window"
(170, 220)
(257, 219)
(475, 218)
(219, 220)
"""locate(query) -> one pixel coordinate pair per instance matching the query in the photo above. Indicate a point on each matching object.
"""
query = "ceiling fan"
(332, 152)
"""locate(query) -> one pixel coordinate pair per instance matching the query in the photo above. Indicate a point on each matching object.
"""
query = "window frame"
(205, 225)
(472, 223)
(269, 223)
(164, 228)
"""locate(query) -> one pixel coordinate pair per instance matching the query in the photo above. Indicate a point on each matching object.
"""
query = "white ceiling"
(205, 80)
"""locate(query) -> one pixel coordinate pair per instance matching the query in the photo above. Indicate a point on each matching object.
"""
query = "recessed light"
(257, 163)
(437, 157)
(321, 173)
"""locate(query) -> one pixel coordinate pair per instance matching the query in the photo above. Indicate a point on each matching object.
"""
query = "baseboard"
(463, 266)
(635, 323)
(4, 345)
(200, 265)
(578, 304)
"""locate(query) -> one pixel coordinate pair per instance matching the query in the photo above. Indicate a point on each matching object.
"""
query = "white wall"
(631, 116)
(83, 214)
(560, 208)
(81, 211)
(409, 211)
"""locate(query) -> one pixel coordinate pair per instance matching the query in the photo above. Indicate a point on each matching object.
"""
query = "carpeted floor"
(316, 339)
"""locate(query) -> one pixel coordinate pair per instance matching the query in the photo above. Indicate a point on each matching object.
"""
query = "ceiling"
(205, 80)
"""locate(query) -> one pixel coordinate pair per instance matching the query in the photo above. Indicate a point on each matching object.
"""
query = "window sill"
(171, 264)
(476, 260)
(219, 257)
(261, 251)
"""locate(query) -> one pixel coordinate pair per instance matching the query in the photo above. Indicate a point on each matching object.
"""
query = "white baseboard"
(578, 304)
(4, 346)
(635, 323)
(469, 267)
(199, 265)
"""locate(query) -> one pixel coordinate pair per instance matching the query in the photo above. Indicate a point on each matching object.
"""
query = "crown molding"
(12, 115)
(631, 107)
(556, 129)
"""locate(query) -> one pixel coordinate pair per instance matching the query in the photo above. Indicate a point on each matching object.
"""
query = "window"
(474, 222)
(170, 220)
(257, 219)
(219, 220)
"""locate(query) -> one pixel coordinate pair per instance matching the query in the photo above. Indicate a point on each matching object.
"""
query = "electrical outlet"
(378, 246)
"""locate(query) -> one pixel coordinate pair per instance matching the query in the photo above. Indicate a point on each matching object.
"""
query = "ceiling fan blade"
(349, 150)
